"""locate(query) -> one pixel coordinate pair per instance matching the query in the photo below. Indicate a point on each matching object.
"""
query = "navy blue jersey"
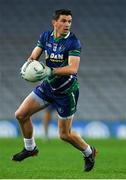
(57, 51)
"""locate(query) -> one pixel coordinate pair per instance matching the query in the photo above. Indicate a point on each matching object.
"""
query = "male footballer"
(60, 88)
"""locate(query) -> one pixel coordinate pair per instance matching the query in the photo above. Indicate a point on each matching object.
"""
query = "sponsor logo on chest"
(56, 56)
(53, 55)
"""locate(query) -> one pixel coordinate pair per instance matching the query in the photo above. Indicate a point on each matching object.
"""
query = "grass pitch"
(59, 160)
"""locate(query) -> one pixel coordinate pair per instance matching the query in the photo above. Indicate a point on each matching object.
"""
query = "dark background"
(101, 27)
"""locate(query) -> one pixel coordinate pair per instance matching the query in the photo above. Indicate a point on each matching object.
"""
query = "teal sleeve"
(74, 53)
(39, 44)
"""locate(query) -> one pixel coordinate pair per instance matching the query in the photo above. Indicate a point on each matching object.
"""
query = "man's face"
(63, 24)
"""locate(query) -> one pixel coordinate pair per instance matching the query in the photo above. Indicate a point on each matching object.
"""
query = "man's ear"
(53, 22)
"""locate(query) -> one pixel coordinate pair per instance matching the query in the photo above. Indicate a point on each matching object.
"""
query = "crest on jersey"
(54, 47)
(62, 48)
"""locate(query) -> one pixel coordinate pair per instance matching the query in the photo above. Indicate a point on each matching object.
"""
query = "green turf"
(59, 160)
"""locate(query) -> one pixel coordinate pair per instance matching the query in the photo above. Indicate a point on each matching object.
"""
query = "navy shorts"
(65, 104)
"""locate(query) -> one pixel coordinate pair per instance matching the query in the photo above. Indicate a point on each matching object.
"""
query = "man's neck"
(59, 36)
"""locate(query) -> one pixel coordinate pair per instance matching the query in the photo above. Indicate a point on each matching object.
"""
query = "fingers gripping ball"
(34, 71)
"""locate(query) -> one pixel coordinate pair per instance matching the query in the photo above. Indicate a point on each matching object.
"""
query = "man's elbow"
(73, 71)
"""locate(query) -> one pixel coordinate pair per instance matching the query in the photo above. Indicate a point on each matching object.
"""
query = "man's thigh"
(31, 104)
(64, 125)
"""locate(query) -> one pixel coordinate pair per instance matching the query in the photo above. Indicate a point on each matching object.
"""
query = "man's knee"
(19, 116)
(64, 136)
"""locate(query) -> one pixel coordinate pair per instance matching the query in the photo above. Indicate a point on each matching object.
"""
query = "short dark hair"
(59, 12)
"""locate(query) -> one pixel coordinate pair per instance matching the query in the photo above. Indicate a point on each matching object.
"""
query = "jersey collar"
(65, 37)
